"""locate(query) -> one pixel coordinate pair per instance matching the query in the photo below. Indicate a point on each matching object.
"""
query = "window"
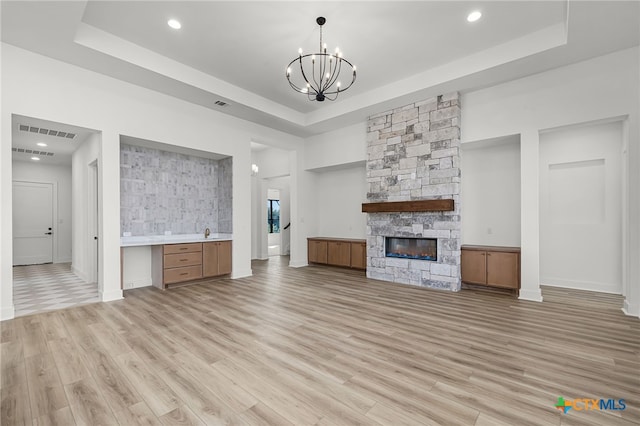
(273, 216)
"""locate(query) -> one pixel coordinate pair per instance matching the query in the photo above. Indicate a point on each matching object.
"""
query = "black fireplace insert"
(412, 248)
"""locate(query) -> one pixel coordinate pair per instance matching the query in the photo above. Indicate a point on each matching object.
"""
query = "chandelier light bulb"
(317, 74)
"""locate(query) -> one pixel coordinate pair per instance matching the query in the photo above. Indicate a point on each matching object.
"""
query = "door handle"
(48, 233)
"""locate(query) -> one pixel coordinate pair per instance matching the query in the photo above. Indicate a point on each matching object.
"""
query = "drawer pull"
(184, 248)
(183, 260)
(184, 273)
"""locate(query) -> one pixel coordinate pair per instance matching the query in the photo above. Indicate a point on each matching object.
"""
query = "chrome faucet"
(207, 232)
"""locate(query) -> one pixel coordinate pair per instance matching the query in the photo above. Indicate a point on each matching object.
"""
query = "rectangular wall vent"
(43, 131)
(29, 151)
(221, 103)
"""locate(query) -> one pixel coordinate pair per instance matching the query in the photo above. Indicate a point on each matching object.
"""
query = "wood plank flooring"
(320, 346)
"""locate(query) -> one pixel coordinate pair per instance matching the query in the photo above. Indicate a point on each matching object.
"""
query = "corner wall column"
(530, 215)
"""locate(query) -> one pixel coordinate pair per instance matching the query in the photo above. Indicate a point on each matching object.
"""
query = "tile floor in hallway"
(39, 288)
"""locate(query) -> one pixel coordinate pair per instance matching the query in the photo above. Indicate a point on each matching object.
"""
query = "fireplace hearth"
(412, 248)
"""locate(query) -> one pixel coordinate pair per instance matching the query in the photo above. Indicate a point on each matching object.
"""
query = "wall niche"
(179, 192)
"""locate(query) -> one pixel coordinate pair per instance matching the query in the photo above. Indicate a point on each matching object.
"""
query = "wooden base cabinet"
(216, 258)
(317, 251)
(337, 252)
(491, 266)
(180, 263)
(359, 254)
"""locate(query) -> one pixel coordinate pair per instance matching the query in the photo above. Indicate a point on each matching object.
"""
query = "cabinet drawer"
(182, 248)
(177, 275)
(182, 259)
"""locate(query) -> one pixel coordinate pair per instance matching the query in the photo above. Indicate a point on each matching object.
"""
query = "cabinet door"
(339, 253)
(209, 259)
(317, 251)
(359, 255)
(474, 266)
(224, 257)
(216, 258)
(502, 269)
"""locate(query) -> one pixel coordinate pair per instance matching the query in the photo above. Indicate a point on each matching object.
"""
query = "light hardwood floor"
(320, 346)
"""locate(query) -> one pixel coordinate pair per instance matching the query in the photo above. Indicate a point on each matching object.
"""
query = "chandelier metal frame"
(322, 72)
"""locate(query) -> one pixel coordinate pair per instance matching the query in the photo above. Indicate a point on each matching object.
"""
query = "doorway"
(274, 240)
(47, 181)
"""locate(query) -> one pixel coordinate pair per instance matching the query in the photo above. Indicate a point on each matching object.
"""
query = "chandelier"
(320, 72)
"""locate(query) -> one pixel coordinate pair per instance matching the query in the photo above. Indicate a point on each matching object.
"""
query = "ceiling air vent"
(221, 103)
(50, 154)
(43, 131)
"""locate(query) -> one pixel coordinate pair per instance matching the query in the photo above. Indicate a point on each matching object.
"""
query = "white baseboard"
(111, 296)
(7, 313)
(532, 295)
(630, 309)
(84, 277)
(298, 263)
(611, 288)
(137, 283)
(242, 274)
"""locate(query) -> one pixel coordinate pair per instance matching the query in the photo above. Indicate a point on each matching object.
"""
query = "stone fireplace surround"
(413, 154)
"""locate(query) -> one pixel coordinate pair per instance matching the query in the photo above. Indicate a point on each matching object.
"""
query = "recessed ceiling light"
(41, 144)
(174, 23)
(474, 16)
(35, 158)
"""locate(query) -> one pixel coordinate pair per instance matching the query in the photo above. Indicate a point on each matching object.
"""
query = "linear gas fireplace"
(412, 248)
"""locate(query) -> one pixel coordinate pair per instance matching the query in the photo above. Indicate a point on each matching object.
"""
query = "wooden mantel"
(409, 206)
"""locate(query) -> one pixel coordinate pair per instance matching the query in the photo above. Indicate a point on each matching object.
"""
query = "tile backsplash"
(164, 191)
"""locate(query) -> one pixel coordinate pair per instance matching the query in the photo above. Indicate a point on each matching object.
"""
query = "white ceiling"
(62, 148)
(237, 51)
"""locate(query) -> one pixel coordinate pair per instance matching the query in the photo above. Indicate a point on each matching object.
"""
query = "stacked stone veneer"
(165, 191)
(413, 154)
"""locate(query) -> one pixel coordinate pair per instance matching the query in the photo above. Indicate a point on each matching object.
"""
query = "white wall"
(61, 176)
(136, 266)
(86, 154)
(342, 146)
(40, 87)
(490, 192)
(581, 207)
(339, 196)
(600, 88)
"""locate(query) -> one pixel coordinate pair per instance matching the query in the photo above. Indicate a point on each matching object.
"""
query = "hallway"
(40, 288)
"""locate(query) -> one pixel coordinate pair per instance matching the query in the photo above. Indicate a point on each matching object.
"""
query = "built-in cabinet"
(491, 266)
(343, 252)
(216, 258)
(180, 263)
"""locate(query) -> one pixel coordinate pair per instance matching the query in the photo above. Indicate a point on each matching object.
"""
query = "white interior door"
(32, 223)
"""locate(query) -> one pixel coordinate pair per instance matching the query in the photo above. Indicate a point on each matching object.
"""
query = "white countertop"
(152, 240)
